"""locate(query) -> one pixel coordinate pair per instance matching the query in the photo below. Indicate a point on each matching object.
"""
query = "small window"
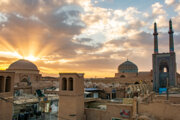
(1, 84)
(64, 84)
(113, 95)
(71, 84)
(8, 84)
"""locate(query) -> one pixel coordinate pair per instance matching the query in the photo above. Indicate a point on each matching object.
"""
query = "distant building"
(127, 82)
(127, 74)
(25, 70)
(164, 64)
(28, 77)
(127, 69)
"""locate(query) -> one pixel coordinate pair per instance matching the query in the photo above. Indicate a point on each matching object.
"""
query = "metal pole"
(167, 86)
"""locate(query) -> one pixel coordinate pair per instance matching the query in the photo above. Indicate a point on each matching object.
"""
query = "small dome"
(23, 65)
(128, 67)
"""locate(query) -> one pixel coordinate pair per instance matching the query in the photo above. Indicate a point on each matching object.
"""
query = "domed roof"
(128, 67)
(23, 65)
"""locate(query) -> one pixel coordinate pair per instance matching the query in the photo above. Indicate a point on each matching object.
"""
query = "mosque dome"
(128, 67)
(23, 65)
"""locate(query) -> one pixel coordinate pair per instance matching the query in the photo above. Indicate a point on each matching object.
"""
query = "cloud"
(83, 40)
(162, 21)
(37, 29)
(157, 9)
(169, 2)
(174, 4)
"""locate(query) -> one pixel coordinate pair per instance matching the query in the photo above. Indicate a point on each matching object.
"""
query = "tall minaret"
(171, 40)
(155, 39)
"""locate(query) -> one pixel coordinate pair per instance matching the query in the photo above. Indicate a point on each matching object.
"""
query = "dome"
(23, 65)
(128, 67)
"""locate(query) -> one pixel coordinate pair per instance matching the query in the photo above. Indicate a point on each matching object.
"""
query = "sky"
(85, 36)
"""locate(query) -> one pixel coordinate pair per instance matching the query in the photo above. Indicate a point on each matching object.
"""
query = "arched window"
(64, 84)
(122, 76)
(1, 84)
(164, 69)
(8, 84)
(70, 84)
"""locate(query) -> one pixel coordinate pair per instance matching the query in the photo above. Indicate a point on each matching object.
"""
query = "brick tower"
(71, 96)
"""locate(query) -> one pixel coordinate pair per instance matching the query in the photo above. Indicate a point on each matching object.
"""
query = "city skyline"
(89, 36)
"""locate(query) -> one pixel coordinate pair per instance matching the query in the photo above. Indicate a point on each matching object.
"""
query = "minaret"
(155, 39)
(171, 40)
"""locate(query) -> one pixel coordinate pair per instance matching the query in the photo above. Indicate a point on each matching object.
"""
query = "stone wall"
(112, 111)
(95, 114)
(172, 99)
(160, 110)
(5, 110)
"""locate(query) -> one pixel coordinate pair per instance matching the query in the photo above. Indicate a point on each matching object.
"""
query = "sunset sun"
(31, 58)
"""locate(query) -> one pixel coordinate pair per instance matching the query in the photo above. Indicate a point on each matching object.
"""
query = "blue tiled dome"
(128, 67)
